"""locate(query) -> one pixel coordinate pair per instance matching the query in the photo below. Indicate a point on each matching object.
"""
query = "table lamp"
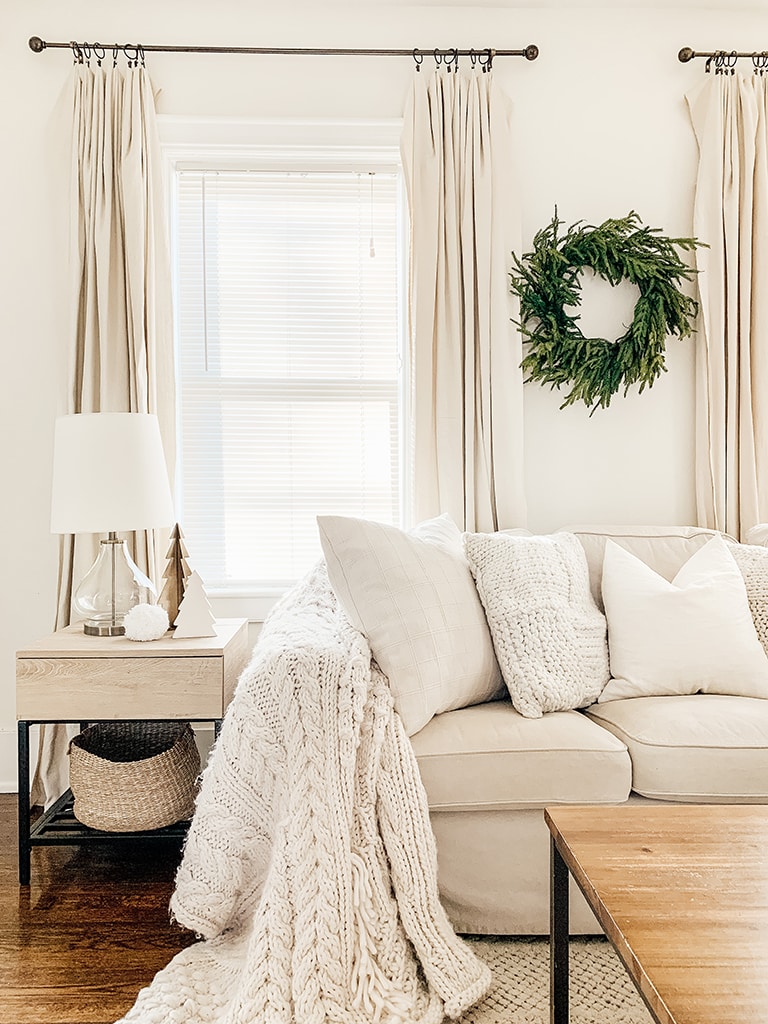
(109, 475)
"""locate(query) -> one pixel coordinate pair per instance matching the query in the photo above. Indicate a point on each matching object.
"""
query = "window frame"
(201, 143)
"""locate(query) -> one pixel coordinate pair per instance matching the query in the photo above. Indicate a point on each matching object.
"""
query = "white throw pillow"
(549, 636)
(412, 596)
(693, 635)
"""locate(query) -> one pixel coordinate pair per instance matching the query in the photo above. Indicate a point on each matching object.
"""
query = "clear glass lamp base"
(94, 628)
(110, 588)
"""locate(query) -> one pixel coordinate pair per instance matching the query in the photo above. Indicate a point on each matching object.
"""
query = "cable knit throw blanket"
(310, 868)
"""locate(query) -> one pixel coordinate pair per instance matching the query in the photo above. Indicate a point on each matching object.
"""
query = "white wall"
(602, 128)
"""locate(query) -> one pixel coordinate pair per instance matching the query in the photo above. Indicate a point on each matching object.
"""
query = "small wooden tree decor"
(195, 616)
(176, 574)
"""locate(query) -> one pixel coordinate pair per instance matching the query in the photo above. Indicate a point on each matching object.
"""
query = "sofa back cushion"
(664, 548)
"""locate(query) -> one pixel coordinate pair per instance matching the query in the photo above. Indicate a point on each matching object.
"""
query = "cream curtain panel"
(466, 382)
(120, 336)
(730, 118)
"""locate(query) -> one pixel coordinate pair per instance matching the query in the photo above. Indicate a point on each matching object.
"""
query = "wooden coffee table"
(682, 894)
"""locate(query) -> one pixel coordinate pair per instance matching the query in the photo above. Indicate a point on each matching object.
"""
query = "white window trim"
(232, 142)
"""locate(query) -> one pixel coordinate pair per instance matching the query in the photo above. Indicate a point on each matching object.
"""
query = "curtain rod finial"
(686, 54)
(531, 52)
(36, 44)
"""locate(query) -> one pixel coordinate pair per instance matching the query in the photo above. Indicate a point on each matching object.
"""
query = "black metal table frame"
(559, 941)
(57, 826)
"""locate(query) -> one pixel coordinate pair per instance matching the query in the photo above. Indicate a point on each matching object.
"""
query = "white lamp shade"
(109, 474)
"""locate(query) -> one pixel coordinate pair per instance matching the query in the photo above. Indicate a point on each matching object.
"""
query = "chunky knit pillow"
(752, 561)
(549, 636)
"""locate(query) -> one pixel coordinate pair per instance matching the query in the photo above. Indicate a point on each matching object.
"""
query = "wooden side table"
(71, 677)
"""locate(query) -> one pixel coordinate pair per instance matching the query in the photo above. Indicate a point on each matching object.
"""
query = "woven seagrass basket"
(133, 776)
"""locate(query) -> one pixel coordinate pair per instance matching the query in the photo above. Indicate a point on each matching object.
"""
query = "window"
(289, 322)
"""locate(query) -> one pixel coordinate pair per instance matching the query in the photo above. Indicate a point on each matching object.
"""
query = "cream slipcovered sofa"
(489, 770)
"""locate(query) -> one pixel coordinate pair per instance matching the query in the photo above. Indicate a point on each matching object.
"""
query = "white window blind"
(289, 335)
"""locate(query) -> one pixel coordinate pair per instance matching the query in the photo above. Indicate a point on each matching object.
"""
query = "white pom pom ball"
(146, 622)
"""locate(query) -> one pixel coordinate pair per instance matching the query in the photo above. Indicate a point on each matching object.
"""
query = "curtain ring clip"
(418, 58)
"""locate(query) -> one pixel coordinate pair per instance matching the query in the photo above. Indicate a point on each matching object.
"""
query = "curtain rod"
(531, 52)
(687, 54)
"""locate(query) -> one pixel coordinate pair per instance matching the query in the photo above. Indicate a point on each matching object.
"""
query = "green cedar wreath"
(546, 280)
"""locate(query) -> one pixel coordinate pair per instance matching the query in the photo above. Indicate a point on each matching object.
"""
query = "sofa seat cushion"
(489, 757)
(700, 748)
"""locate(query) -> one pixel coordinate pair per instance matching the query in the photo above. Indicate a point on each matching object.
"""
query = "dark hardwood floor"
(90, 931)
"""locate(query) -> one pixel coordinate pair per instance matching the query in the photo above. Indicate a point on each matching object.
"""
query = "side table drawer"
(86, 689)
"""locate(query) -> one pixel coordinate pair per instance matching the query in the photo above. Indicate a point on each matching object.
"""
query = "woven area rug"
(601, 991)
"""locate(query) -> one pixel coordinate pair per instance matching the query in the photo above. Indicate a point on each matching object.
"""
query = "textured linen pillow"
(413, 597)
(693, 635)
(548, 633)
